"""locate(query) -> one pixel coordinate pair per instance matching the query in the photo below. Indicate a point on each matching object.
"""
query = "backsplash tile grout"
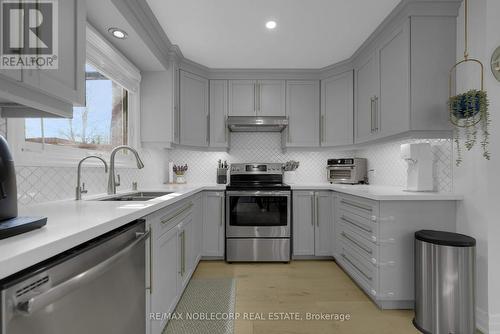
(42, 184)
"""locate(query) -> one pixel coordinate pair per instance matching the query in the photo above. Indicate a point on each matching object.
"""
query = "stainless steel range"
(258, 214)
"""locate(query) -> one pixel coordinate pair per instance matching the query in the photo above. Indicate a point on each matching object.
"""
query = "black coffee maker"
(10, 223)
(8, 188)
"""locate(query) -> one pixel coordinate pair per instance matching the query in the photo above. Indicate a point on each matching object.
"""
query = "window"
(101, 125)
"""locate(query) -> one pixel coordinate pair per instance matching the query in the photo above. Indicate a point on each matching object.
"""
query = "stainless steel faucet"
(80, 189)
(112, 182)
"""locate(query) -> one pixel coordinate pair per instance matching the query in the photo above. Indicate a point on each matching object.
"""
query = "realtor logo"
(29, 34)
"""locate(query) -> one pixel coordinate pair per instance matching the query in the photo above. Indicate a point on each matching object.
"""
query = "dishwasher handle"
(48, 297)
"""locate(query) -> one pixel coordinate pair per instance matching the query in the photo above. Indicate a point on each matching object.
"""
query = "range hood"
(257, 123)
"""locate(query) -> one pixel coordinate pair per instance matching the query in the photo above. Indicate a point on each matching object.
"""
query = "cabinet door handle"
(221, 210)
(358, 225)
(375, 108)
(371, 115)
(258, 98)
(150, 260)
(255, 98)
(322, 129)
(177, 214)
(312, 210)
(356, 267)
(356, 205)
(316, 215)
(208, 129)
(183, 252)
(354, 241)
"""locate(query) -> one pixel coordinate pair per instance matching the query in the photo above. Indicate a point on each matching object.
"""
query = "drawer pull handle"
(354, 241)
(356, 205)
(364, 228)
(177, 214)
(356, 267)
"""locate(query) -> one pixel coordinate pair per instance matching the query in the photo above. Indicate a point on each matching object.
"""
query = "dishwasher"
(97, 287)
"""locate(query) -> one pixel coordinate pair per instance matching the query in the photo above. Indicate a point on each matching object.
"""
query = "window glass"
(101, 124)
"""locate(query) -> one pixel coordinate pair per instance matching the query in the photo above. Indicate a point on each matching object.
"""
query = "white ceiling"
(231, 33)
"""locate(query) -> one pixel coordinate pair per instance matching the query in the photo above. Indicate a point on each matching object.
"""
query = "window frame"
(105, 58)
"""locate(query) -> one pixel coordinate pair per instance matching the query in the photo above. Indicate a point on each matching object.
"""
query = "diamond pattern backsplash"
(41, 184)
(389, 168)
(37, 184)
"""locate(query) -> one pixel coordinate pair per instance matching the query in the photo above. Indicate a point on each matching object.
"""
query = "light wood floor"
(304, 286)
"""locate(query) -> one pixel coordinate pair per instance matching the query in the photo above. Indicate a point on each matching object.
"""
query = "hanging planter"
(469, 111)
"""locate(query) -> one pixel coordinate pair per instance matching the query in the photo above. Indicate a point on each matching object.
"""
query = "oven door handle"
(259, 193)
(48, 297)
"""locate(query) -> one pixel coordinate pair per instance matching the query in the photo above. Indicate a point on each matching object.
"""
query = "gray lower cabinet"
(219, 133)
(397, 87)
(213, 224)
(174, 252)
(302, 110)
(373, 243)
(312, 223)
(193, 106)
(337, 110)
(52, 92)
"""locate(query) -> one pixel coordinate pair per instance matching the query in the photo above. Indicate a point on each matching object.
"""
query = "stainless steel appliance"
(257, 123)
(97, 287)
(445, 269)
(258, 213)
(348, 171)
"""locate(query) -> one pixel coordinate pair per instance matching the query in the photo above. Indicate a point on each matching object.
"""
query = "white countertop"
(71, 222)
(380, 193)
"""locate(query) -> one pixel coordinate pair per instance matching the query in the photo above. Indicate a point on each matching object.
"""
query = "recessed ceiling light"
(270, 25)
(118, 33)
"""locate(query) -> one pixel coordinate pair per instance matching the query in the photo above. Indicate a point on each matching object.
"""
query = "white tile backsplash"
(38, 184)
(254, 147)
(389, 168)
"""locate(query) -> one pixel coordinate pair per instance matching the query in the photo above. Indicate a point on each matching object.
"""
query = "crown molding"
(142, 19)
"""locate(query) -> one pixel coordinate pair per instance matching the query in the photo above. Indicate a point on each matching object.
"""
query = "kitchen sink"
(138, 196)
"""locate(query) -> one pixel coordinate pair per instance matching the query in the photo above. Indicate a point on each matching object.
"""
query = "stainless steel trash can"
(445, 269)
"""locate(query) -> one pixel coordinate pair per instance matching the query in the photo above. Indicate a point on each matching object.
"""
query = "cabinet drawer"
(359, 269)
(365, 247)
(362, 207)
(367, 228)
(171, 217)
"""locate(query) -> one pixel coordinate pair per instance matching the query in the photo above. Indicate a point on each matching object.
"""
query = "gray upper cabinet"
(401, 86)
(270, 98)
(302, 110)
(218, 113)
(394, 101)
(256, 98)
(367, 91)
(242, 100)
(48, 93)
(194, 116)
(68, 81)
(337, 110)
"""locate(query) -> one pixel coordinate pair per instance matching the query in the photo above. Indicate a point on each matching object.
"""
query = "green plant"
(468, 111)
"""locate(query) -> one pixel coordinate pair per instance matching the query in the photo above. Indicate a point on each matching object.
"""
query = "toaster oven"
(347, 171)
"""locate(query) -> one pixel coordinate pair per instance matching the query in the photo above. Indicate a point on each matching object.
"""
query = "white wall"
(478, 179)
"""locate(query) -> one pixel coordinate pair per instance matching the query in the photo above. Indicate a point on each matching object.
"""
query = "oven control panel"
(257, 168)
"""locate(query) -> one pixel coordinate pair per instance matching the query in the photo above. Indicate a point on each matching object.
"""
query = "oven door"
(258, 214)
(342, 174)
